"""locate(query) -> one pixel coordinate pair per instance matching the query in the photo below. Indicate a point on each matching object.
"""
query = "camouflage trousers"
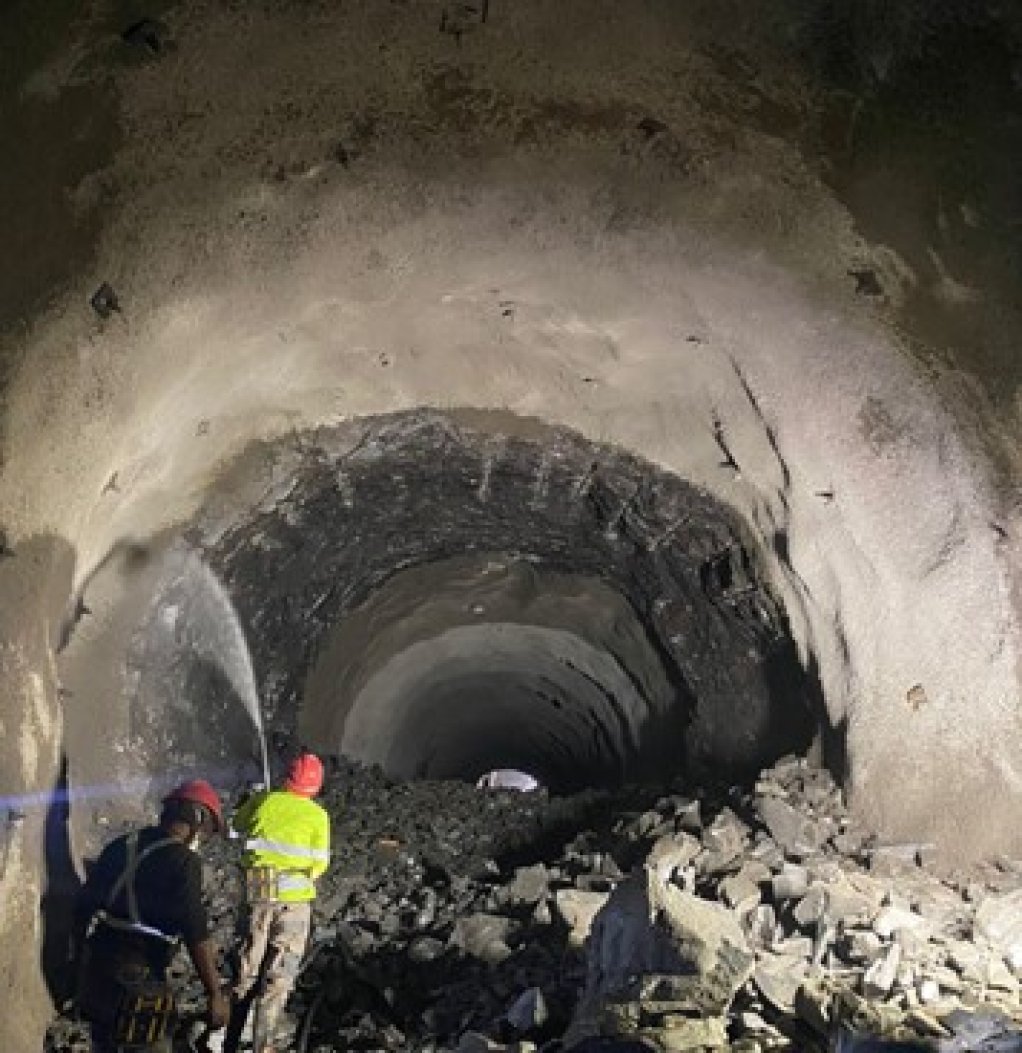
(272, 948)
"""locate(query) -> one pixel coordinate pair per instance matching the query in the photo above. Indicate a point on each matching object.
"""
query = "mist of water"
(216, 636)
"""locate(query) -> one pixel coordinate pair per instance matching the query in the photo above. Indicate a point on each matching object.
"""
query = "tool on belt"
(262, 884)
(144, 1015)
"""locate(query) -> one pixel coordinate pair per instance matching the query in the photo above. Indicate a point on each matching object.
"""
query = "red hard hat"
(198, 791)
(305, 776)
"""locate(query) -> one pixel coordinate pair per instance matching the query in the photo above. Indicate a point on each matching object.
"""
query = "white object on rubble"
(507, 779)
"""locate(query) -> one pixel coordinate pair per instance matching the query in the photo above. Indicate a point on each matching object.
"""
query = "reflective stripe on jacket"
(289, 833)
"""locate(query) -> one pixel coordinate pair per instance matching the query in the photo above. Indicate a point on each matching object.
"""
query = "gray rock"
(482, 936)
(767, 853)
(880, 976)
(672, 854)
(800, 947)
(740, 893)
(862, 946)
(656, 945)
(811, 907)
(912, 942)
(849, 841)
(723, 841)
(904, 853)
(762, 925)
(647, 823)
(425, 949)
(848, 903)
(1000, 977)
(679, 1034)
(892, 919)
(999, 922)
(792, 829)
(689, 817)
(791, 883)
(778, 980)
(577, 909)
(928, 991)
(529, 1011)
(530, 885)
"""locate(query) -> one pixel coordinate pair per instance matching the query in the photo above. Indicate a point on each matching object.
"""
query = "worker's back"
(291, 834)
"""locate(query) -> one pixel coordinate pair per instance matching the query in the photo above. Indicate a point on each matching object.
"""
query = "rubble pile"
(750, 920)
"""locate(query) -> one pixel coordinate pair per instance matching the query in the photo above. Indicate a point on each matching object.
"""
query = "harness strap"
(128, 926)
(126, 882)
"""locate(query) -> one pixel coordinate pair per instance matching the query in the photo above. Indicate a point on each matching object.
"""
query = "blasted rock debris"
(458, 919)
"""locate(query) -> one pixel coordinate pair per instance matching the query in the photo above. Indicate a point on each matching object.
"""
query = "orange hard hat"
(305, 776)
(198, 791)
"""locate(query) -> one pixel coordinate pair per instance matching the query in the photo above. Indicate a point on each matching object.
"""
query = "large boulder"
(999, 922)
(658, 954)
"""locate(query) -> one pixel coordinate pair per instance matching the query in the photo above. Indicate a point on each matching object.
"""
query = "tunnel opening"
(441, 599)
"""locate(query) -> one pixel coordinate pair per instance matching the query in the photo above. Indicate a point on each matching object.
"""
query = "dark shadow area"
(798, 708)
(62, 884)
(922, 140)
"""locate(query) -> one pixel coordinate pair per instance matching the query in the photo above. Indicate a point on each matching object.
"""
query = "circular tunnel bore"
(443, 598)
(479, 663)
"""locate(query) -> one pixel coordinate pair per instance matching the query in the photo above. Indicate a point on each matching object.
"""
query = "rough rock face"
(661, 960)
(656, 944)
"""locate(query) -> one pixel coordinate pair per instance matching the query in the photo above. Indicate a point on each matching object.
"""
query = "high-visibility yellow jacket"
(290, 833)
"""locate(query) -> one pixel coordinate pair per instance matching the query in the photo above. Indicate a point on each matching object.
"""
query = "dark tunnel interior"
(631, 638)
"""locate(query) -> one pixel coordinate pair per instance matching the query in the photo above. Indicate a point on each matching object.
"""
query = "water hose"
(306, 1028)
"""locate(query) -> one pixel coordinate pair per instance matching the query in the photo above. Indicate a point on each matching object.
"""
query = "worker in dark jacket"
(143, 897)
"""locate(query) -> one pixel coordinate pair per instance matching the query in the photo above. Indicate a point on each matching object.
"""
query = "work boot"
(239, 1027)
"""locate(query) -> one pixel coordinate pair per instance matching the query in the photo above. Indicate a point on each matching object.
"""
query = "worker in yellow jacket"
(287, 847)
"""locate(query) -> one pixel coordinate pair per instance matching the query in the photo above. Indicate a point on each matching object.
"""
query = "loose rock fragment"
(529, 1012)
(880, 976)
(577, 909)
(791, 883)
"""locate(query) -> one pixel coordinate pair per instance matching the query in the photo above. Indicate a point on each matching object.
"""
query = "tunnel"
(611, 392)
(442, 599)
